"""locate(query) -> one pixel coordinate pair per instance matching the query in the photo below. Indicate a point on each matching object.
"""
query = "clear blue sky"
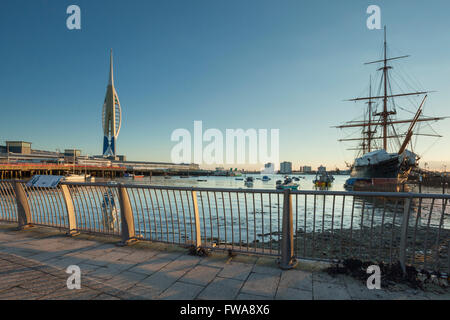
(285, 64)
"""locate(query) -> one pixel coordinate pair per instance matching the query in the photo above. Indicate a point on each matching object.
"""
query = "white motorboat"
(76, 178)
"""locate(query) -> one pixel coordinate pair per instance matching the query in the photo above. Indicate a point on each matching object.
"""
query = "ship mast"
(383, 118)
(385, 110)
(369, 129)
(368, 146)
(385, 114)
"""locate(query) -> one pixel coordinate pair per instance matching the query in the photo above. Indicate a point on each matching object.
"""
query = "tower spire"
(111, 114)
(111, 71)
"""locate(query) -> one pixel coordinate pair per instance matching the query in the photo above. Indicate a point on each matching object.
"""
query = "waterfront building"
(269, 168)
(268, 165)
(72, 152)
(306, 169)
(286, 167)
(111, 115)
(21, 147)
(71, 155)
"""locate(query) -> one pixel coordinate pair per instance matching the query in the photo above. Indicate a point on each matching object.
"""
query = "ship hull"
(390, 170)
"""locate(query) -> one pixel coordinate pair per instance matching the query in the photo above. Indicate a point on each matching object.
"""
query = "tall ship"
(386, 142)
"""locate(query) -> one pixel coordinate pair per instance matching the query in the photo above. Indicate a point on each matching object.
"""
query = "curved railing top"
(267, 191)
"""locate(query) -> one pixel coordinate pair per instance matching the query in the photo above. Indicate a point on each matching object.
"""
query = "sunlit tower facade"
(111, 115)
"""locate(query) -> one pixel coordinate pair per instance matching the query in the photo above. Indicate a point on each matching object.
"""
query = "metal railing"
(322, 225)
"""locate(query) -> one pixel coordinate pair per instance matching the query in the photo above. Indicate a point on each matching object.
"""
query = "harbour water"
(258, 215)
(305, 183)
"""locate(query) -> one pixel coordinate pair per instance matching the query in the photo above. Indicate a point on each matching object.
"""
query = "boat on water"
(249, 182)
(351, 182)
(265, 178)
(385, 151)
(220, 172)
(286, 184)
(138, 176)
(235, 172)
(77, 178)
(128, 175)
(323, 178)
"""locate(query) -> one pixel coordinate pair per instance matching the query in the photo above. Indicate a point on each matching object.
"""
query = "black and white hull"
(382, 165)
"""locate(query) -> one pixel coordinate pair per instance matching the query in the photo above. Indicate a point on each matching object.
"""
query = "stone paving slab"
(200, 275)
(261, 284)
(221, 289)
(297, 279)
(330, 291)
(245, 296)
(236, 270)
(181, 291)
(33, 266)
(284, 293)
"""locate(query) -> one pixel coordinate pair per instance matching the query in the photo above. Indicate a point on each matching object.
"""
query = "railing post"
(404, 234)
(287, 260)
(126, 214)
(198, 238)
(23, 208)
(70, 211)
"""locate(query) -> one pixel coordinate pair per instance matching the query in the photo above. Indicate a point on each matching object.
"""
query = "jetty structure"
(385, 151)
(111, 115)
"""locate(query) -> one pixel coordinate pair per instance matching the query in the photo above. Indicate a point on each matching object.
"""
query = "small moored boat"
(249, 182)
(287, 184)
(76, 178)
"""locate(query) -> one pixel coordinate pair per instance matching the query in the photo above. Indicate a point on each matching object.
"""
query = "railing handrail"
(274, 191)
(307, 192)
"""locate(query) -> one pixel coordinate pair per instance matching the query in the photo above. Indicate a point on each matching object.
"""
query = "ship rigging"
(382, 148)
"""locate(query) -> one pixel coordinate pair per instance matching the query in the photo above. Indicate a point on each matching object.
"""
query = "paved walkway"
(33, 264)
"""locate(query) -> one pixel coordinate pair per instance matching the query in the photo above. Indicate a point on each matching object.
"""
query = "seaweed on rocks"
(231, 253)
(201, 252)
(391, 274)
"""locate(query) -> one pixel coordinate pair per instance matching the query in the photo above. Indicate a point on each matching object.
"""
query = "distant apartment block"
(269, 168)
(286, 167)
(306, 169)
(268, 165)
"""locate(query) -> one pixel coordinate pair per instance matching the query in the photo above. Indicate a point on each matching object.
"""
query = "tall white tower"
(112, 115)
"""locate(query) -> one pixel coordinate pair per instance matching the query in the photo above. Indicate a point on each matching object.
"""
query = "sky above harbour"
(286, 65)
